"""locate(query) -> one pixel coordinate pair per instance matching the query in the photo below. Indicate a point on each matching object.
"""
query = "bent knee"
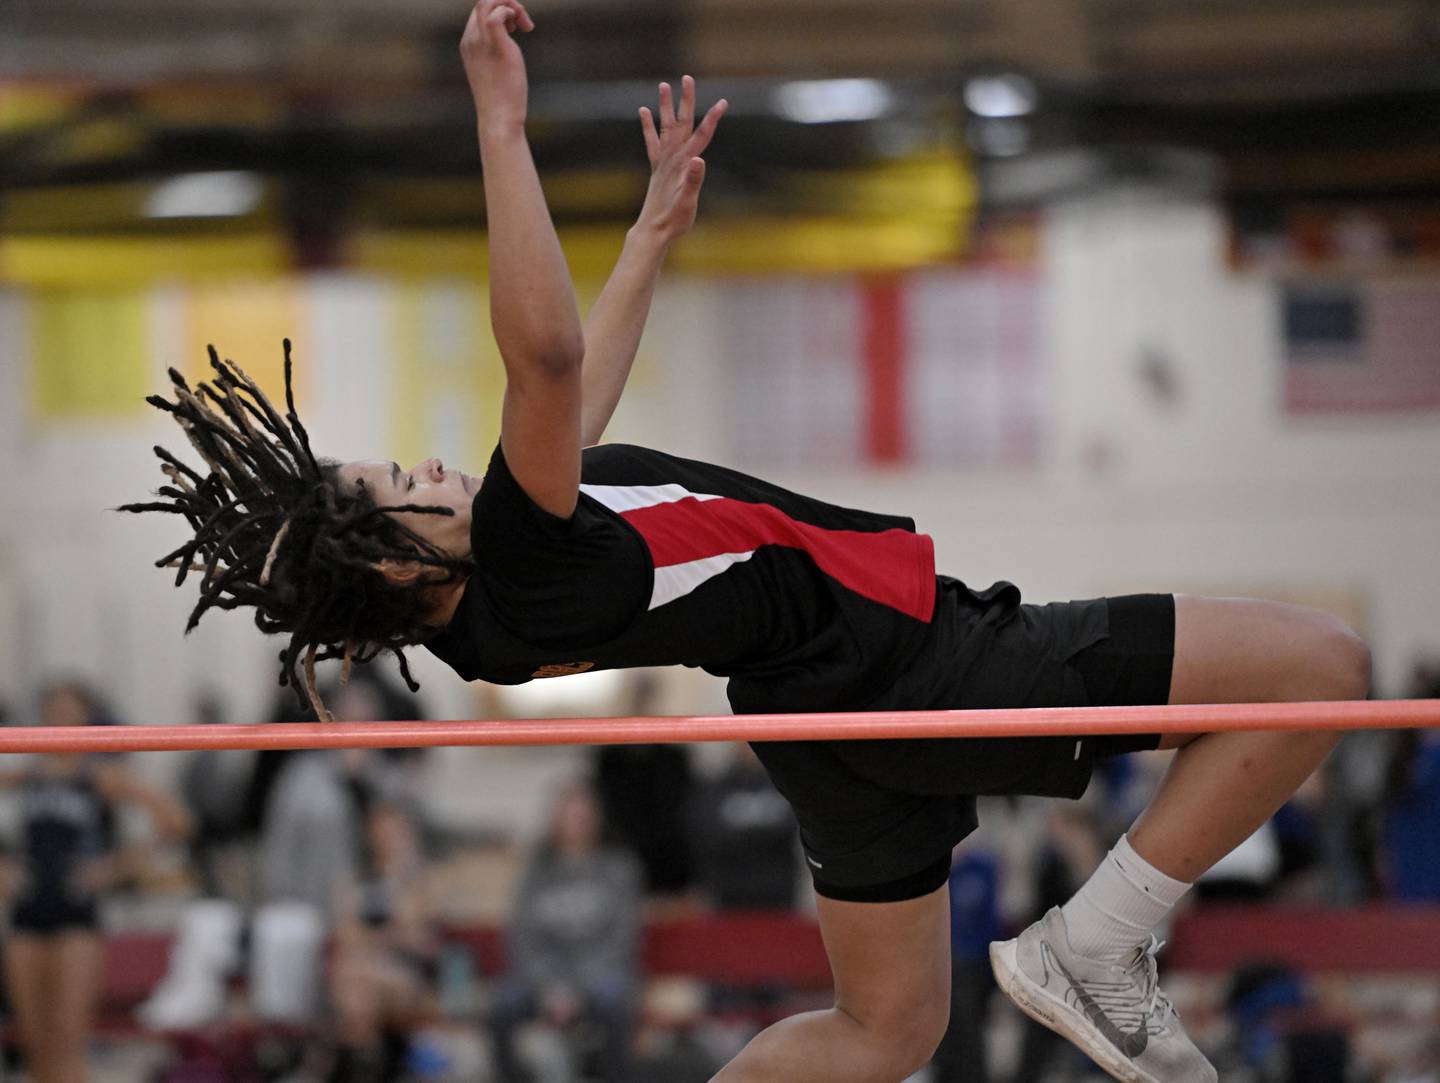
(1343, 670)
(907, 1035)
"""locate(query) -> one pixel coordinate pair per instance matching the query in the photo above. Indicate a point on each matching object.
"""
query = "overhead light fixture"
(1001, 96)
(831, 101)
(219, 194)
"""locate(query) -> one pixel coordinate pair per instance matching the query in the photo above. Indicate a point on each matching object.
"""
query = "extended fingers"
(652, 138)
(706, 131)
(685, 115)
(681, 121)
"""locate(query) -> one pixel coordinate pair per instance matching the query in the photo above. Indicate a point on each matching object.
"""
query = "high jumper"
(568, 555)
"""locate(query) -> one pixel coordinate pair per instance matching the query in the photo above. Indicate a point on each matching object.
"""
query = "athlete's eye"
(411, 485)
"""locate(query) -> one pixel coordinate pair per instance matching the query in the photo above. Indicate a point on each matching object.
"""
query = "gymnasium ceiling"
(359, 105)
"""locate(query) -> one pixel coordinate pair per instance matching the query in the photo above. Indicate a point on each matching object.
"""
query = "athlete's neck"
(445, 600)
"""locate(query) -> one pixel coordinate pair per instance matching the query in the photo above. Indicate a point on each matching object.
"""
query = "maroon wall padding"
(785, 949)
(1402, 939)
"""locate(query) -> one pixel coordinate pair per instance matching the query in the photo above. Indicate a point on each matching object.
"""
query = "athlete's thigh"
(891, 961)
(1245, 650)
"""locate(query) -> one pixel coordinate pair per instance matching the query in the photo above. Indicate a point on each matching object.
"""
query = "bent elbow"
(551, 358)
(564, 356)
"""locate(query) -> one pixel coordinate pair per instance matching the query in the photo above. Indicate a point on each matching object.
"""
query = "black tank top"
(65, 822)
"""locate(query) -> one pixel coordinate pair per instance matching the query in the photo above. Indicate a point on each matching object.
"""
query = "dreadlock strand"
(321, 711)
(225, 439)
(291, 415)
(178, 478)
(274, 551)
(153, 506)
(410, 682)
(171, 461)
(275, 421)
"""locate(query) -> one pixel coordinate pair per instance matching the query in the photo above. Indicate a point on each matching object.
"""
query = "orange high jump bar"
(842, 726)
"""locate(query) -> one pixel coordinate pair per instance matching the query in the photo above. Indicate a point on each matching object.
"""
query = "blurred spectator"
(572, 944)
(386, 700)
(974, 922)
(1355, 779)
(1422, 1067)
(645, 792)
(54, 956)
(746, 841)
(311, 848)
(311, 841)
(1282, 1036)
(1412, 808)
(1298, 838)
(311, 837)
(214, 784)
(383, 968)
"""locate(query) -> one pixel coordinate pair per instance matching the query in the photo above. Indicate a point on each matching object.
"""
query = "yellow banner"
(448, 378)
(90, 352)
(247, 323)
(62, 261)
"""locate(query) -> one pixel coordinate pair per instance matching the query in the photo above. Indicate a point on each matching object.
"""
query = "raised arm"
(617, 320)
(532, 303)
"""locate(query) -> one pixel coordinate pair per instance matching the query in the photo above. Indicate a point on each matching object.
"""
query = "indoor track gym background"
(1109, 295)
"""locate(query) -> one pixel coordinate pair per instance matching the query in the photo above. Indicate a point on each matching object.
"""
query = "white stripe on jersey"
(623, 498)
(677, 580)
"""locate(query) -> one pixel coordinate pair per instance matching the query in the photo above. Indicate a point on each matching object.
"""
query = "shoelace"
(1149, 980)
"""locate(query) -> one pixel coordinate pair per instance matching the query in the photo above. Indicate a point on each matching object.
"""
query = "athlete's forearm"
(532, 301)
(615, 326)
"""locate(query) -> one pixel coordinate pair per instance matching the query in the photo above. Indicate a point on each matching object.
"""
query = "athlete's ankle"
(1119, 906)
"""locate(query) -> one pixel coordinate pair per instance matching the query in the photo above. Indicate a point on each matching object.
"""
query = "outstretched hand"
(493, 62)
(676, 169)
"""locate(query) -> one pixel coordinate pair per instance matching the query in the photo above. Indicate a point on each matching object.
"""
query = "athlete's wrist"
(648, 238)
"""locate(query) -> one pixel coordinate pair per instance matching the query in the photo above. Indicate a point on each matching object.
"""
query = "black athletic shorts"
(50, 913)
(878, 819)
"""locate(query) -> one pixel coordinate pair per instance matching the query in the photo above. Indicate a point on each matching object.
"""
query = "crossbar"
(835, 726)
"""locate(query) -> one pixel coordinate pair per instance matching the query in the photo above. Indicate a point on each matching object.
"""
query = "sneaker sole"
(1059, 1016)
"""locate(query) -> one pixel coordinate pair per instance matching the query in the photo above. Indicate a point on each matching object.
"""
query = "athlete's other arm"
(532, 303)
(617, 320)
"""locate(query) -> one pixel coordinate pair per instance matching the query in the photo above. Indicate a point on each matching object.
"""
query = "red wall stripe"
(883, 321)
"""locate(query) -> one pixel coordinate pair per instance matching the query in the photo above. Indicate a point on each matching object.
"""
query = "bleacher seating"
(785, 950)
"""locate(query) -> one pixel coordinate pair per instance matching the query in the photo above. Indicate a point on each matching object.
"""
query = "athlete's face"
(426, 483)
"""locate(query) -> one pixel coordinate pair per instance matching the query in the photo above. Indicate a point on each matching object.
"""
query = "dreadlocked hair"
(274, 529)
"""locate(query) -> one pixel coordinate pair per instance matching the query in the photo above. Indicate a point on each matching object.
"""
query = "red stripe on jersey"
(892, 567)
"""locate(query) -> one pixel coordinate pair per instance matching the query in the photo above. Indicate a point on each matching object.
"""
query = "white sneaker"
(1115, 1012)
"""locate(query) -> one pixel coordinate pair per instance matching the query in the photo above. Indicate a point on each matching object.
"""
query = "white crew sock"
(1119, 906)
